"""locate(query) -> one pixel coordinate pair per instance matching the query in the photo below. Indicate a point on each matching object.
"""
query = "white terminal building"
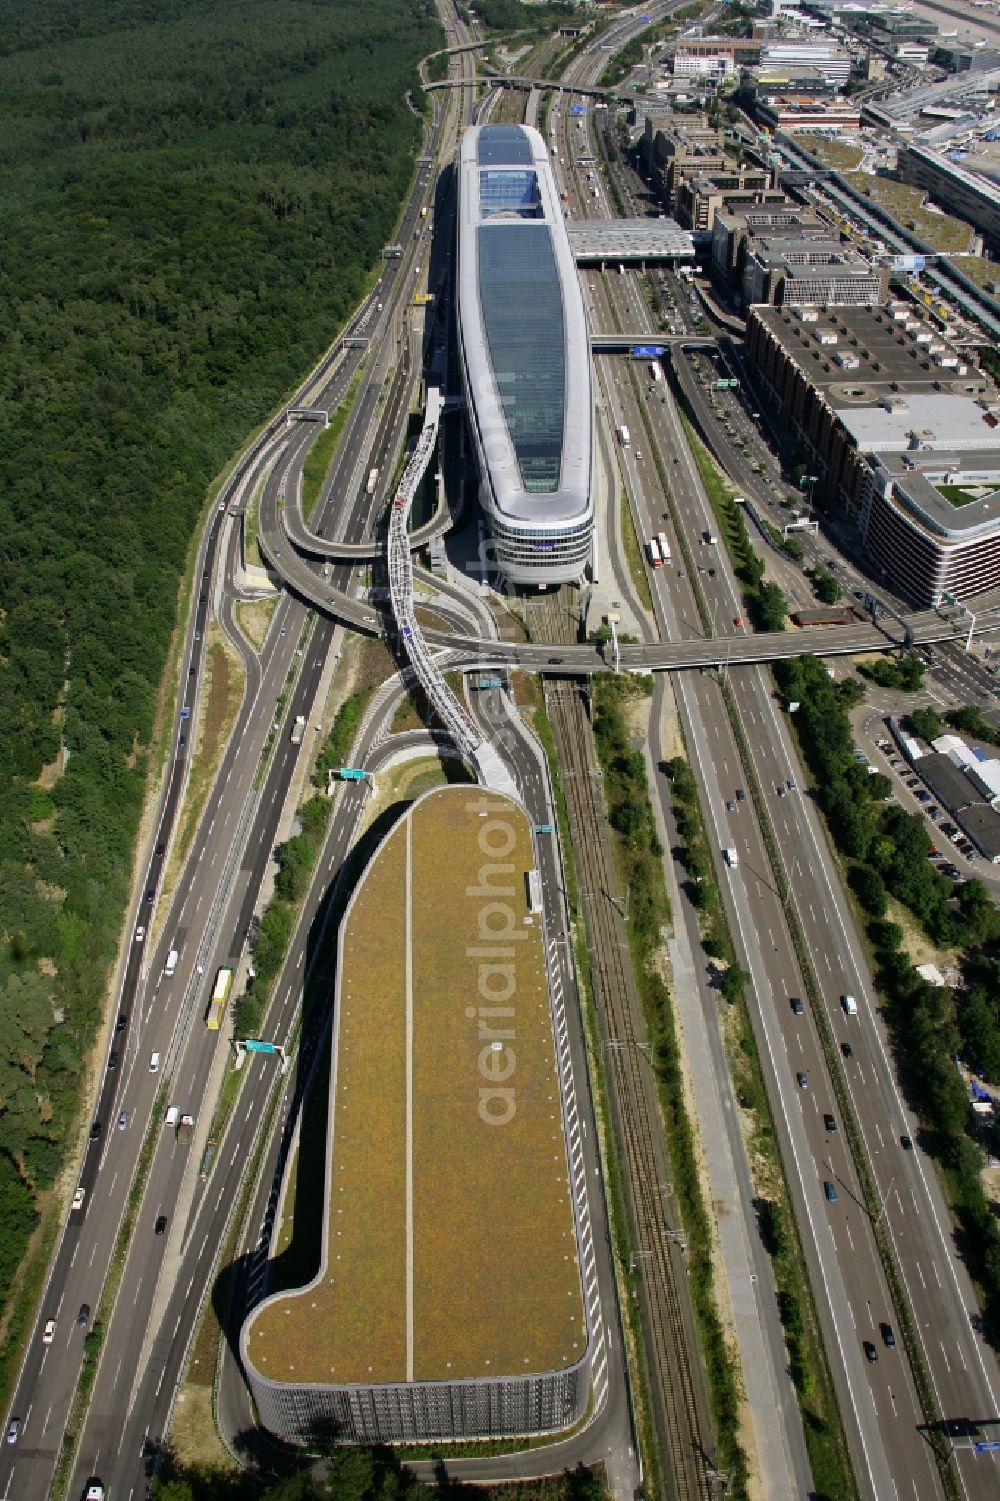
(526, 364)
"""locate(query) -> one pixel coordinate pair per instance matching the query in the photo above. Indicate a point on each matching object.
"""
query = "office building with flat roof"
(780, 268)
(738, 227)
(902, 431)
(525, 354)
(701, 196)
(826, 57)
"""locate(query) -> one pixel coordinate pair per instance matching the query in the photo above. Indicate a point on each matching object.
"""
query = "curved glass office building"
(525, 357)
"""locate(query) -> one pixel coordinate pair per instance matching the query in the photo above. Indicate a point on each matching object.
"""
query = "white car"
(79, 1197)
(140, 933)
(95, 1491)
(49, 1332)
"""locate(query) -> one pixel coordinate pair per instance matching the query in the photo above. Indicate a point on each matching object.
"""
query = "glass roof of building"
(503, 146)
(523, 316)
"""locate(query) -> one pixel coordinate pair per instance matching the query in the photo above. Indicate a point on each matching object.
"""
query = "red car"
(737, 620)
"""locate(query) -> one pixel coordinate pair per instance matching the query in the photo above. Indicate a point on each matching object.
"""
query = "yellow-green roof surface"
(451, 1250)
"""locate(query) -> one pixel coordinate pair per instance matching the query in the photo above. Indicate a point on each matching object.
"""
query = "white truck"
(730, 856)
(171, 963)
(849, 1004)
(298, 729)
(624, 436)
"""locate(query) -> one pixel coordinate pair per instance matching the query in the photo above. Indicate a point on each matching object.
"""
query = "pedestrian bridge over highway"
(491, 770)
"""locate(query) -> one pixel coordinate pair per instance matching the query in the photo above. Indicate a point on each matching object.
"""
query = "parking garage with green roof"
(449, 1298)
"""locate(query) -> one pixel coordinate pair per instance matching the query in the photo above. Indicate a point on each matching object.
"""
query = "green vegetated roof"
(451, 1249)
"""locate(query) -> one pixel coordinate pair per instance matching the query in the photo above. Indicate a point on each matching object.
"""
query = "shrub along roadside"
(764, 602)
(297, 858)
(640, 857)
(930, 1025)
(703, 892)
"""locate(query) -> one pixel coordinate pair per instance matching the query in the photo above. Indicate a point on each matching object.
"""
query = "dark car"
(829, 1124)
(796, 1004)
(847, 1050)
(151, 896)
(95, 1130)
(121, 1023)
(741, 796)
(871, 1354)
(888, 1338)
(802, 1079)
(906, 1142)
(160, 848)
(830, 1189)
(83, 1317)
(112, 1060)
(161, 1224)
(183, 740)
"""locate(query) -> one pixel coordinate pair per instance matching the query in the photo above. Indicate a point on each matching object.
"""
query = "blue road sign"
(648, 351)
(543, 828)
(254, 1046)
(352, 774)
(578, 109)
(988, 1446)
(490, 683)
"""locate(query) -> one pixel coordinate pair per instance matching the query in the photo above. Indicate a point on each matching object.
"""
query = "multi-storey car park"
(901, 429)
(525, 355)
(448, 1301)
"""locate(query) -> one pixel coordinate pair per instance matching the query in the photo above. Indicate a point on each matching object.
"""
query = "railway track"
(679, 1406)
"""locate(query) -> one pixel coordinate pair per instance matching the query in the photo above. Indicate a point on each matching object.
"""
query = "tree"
(927, 724)
(869, 888)
(827, 588)
(772, 607)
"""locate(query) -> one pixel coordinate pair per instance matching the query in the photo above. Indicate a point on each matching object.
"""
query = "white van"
(849, 1004)
(173, 1116)
(171, 963)
(154, 1063)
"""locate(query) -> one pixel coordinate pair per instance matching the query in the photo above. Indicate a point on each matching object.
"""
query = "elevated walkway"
(630, 343)
(470, 743)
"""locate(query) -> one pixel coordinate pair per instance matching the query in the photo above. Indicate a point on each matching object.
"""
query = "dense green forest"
(194, 191)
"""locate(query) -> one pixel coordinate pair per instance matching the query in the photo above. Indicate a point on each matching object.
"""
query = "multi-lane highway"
(207, 915)
(962, 1371)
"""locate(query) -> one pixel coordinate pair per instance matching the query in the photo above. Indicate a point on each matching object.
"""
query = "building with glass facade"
(525, 351)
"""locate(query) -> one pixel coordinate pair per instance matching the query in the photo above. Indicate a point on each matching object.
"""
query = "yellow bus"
(220, 995)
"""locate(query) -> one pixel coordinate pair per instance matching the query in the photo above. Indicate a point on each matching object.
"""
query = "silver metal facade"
(426, 1411)
(525, 357)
